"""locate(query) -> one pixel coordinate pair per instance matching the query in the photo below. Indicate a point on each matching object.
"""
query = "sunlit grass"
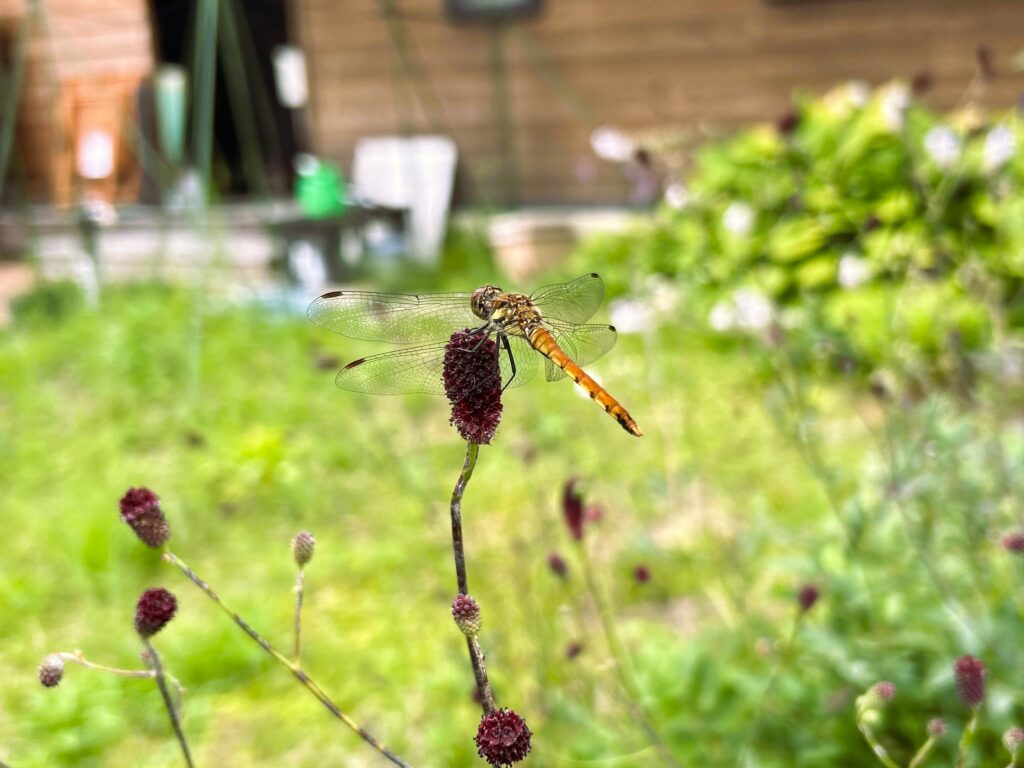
(231, 415)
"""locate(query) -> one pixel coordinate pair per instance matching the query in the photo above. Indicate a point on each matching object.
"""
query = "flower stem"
(172, 712)
(880, 752)
(922, 753)
(292, 667)
(476, 654)
(78, 657)
(619, 661)
(768, 688)
(967, 737)
(299, 589)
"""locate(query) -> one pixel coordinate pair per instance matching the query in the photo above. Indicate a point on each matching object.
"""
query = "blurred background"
(809, 217)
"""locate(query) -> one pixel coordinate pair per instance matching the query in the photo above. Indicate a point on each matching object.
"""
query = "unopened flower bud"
(51, 671)
(558, 565)
(1013, 739)
(936, 727)
(466, 613)
(302, 548)
(807, 596)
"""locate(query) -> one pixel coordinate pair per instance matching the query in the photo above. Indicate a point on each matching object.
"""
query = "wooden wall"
(84, 46)
(641, 65)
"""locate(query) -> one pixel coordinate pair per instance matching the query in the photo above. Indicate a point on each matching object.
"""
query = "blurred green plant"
(885, 235)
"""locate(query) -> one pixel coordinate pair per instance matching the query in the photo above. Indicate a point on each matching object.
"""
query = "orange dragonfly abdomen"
(542, 341)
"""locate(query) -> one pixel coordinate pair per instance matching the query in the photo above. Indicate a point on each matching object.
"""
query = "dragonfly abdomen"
(542, 341)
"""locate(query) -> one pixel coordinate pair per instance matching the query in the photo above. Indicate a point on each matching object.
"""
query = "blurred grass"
(254, 443)
(230, 414)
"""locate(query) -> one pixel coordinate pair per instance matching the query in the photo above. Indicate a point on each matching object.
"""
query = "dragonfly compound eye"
(483, 301)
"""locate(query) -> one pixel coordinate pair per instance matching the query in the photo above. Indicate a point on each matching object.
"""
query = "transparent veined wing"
(420, 369)
(525, 362)
(572, 302)
(399, 318)
(582, 343)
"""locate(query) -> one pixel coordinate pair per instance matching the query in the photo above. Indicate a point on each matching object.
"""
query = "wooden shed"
(520, 97)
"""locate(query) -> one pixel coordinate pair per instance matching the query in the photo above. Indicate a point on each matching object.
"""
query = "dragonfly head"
(482, 302)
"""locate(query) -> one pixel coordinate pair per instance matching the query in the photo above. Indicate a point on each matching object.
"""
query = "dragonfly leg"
(511, 360)
(482, 329)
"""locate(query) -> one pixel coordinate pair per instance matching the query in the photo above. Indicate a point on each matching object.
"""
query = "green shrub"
(894, 233)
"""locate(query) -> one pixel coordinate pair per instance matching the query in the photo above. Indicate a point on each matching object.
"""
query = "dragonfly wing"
(415, 369)
(400, 318)
(526, 362)
(572, 302)
(582, 343)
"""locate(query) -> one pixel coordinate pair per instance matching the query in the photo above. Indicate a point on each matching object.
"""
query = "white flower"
(612, 144)
(754, 311)
(664, 293)
(631, 315)
(677, 195)
(943, 146)
(858, 92)
(1000, 147)
(894, 102)
(738, 219)
(853, 271)
(722, 317)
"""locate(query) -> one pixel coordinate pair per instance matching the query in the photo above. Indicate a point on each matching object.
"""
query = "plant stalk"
(300, 587)
(476, 654)
(619, 661)
(967, 737)
(172, 712)
(292, 667)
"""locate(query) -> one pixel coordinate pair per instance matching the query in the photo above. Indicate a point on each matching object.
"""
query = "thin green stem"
(78, 657)
(918, 759)
(172, 712)
(880, 752)
(620, 662)
(967, 737)
(292, 667)
(476, 654)
(768, 688)
(299, 590)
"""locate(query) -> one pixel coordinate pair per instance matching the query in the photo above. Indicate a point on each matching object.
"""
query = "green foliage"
(231, 416)
(866, 217)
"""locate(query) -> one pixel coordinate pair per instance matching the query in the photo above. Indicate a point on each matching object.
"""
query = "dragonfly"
(549, 324)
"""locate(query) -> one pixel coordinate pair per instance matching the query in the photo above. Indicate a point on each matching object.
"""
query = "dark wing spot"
(354, 363)
(594, 274)
(332, 294)
(612, 328)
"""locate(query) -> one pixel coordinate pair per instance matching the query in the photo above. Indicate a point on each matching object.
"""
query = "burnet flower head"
(472, 382)
(969, 674)
(503, 738)
(155, 608)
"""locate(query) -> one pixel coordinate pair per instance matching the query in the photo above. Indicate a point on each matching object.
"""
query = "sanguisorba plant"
(142, 512)
(472, 382)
